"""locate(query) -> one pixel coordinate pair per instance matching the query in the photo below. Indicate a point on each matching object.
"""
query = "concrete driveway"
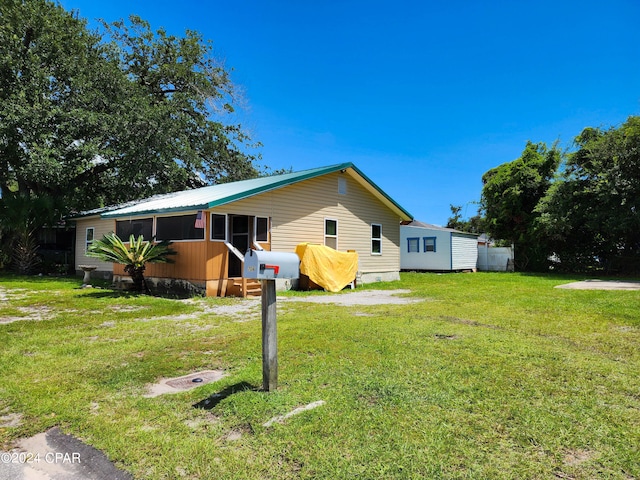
(596, 284)
(52, 455)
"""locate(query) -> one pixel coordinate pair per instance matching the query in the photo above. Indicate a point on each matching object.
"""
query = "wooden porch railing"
(236, 252)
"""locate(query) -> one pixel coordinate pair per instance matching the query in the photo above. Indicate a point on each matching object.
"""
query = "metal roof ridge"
(260, 185)
(196, 199)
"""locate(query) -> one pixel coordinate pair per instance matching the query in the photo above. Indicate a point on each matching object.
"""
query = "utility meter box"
(265, 265)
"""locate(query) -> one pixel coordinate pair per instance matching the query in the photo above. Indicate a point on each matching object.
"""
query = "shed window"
(262, 229)
(331, 233)
(376, 239)
(429, 244)
(413, 245)
(181, 227)
(135, 227)
(218, 227)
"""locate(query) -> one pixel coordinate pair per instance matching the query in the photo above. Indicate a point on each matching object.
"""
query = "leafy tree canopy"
(580, 209)
(591, 215)
(96, 119)
(474, 224)
(510, 195)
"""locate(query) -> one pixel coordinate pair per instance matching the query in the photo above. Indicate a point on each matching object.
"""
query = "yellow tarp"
(327, 267)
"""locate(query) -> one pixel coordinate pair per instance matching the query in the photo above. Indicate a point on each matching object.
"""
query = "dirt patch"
(444, 336)
(126, 308)
(473, 323)
(601, 285)
(362, 297)
(10, 420)
(36, 313)
(237, 433)
(197, 328)
(243, 310)
(12, 294)
(186, 382)
(576, 457)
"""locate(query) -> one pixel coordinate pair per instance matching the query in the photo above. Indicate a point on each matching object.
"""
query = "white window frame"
(86, 235)
(379, 239)
(327, 219)
(226, 227)
(255, 229)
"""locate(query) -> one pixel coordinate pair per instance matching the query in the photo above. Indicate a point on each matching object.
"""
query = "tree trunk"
(137, 275)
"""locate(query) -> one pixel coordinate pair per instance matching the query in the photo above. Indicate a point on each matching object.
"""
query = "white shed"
(430, 247)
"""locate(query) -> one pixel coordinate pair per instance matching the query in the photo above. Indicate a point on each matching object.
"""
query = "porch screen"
(137, 227)
(181, 227)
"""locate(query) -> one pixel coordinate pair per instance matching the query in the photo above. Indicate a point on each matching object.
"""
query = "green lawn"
(489, 376)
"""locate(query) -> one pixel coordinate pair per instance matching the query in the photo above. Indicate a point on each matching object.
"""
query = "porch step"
(253, 288)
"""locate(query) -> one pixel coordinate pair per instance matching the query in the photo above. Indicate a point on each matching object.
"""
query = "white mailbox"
(265, 265)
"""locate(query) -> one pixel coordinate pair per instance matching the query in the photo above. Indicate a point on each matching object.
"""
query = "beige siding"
(298, 212)
(101, 227)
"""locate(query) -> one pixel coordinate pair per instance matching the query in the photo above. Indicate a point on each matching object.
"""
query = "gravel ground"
(361, 297)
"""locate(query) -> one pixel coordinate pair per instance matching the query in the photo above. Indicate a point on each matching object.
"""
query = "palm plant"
(134, 256)
(21, 216)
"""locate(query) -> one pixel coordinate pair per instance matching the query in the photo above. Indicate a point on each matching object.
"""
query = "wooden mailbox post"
(267, 267)
(269, 336)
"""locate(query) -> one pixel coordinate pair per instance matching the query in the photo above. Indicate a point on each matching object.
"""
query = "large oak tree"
(591, 214)
(510, 194)
(96, 119)
(89, 119)
(579, 209)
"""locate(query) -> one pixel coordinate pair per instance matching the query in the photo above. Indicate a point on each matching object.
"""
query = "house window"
(376, 239)
(262, 229)
(218, 227)
(136, 227)
(429, 244)
(181, 227)
(331, 233)
(413, 245)
(88, 238)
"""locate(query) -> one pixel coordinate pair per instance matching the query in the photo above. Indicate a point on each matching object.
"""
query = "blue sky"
(423, 96)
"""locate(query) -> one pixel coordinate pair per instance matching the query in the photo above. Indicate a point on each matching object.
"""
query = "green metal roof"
(217, 195)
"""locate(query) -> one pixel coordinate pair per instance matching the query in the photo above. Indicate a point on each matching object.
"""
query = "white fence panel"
(495, 259)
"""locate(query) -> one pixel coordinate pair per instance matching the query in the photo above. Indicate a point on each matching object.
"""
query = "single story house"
(426, 247)
(212, 227)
